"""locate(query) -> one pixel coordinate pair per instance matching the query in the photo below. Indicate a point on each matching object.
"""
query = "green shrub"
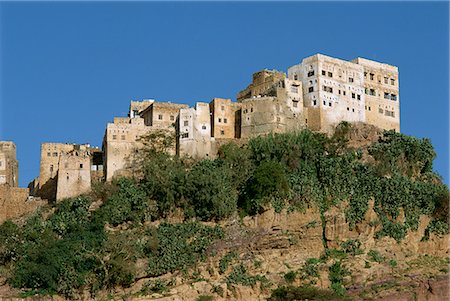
(164, 181)
(210, 190)
(226, 260)
(129, 203)
(179, 246)
(239, 275)
(375, 256)
(310, 269)
(268, 180)
(290, 276)
(336, 275)
(352, 246)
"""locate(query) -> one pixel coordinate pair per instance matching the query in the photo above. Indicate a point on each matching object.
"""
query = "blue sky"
(68, 68)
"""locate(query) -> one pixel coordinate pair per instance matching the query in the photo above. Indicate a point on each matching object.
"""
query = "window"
(225, 120)
(48, 154)
(203, 127)
(314, 102)
(323, 72)
(51, 168)
(385, 80)
(114, 137)
(330, 74)
(222, 132)
(380, 110)
(160, 117)
(372, 92)
(222, 108)
(358, 97)
(324, 103)
(310, 89)
(278, 119)
(365, 74)
(392, 81)
(329, 104)
(343, 93)
(369, 108)
(81, 165)
(350, 79)
(311, 73)
(393, 97)
(371, 76)
(135, 113)
(387, 95)
(186, 123)
(123, 137)
(251, 109)
(389, 113)
(353, 110)
(220, 120)
(295, 77)
(353, 95)
(348, 109)
(185, 135)
(295, 104)
(55, 154)
(294, 89)
(328, 89)
(172, 118)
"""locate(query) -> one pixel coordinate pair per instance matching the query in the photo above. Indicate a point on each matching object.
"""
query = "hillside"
(356, 216)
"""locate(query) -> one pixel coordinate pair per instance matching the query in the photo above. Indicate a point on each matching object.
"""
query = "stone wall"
(9, 166)
(74, 174)
(15, 202)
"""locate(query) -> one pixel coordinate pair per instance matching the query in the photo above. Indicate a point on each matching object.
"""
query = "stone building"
(125, 137)
(275, 104)
(335, 90)
(14, 201)
(66, 170)
(318, 93)
(195, 131)
(382, 103)
(205, 127)
(9, 166)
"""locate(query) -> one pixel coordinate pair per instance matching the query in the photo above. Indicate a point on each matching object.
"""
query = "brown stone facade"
(318, 94)
(15, 201)
(9, 166)
(66, 170)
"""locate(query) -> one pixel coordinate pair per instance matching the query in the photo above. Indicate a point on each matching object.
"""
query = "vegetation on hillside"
(76, 248)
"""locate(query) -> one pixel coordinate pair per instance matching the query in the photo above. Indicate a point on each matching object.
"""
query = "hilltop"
(359, 215)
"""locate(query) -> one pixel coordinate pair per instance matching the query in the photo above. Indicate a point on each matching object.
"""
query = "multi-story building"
(9, 166)
(381, 90)
(66, 170)
(357, 91)
(275, 104)
(318, 93)
(126, 135)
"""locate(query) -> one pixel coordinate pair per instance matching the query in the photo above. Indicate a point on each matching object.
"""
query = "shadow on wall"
(48, 190)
